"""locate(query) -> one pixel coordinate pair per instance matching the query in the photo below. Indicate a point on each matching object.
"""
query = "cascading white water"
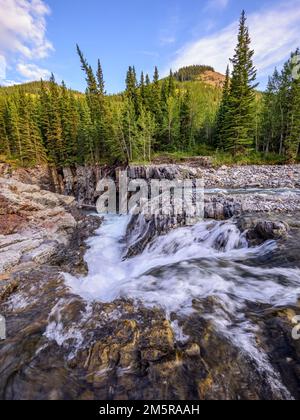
(190, 265)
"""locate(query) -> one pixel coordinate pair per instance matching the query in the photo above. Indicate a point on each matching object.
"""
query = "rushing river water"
(211, 286)
(191, 265)
(208, 259)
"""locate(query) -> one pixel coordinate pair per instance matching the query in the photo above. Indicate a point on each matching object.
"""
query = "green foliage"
(179, 117)
(280, 117)
(237, 113)
(252, 158)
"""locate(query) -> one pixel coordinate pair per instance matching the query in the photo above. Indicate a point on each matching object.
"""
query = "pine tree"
(280, 117)
(86, 149)
(147, 80)
(4, 142)
(27, 152)
(131, 84)
(238, 120)
(92, 87)
(186, 127)
(55, 135)
(95, 94)
(13, 128)
(68, 139)
(44, 117)
(39, 152)
(118, 147)
(142, 87)
(293, 130)
(74, 129)
(155, 105)
(270, 116)
(219, 135)
(100, 80)
(171, 85)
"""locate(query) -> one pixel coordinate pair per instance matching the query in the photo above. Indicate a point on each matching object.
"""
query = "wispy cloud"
(274, 31)
(23, 30)
(153, 54)
(2, 68)
(33, 72)
(167, 40)
(216, 4)
(168, 34)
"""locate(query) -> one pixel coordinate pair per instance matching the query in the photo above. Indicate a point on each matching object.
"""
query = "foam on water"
(188, 263)
(186, 266)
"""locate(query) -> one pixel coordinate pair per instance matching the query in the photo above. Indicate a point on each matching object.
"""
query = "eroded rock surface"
(60, 347)
(35, 225)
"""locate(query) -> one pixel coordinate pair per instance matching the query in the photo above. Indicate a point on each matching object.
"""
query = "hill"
(212, 78)
(33, 88)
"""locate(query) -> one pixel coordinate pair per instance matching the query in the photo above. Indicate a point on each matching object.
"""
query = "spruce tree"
(4, 141)
(186, 126)
(100, 80)
(238, 120)
(171, 84)
(219, 135)
(155, 103)
(27, 152)
(86, 150)
(13, 128)
(39, 151)
(142, 87)
(293, 128)
(55, 135)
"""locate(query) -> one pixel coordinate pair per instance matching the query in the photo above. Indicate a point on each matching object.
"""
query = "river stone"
(260, 231)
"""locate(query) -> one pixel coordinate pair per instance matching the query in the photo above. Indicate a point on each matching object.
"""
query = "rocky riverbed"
(203, 312)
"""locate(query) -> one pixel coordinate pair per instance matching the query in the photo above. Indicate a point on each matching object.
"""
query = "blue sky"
(39, 36)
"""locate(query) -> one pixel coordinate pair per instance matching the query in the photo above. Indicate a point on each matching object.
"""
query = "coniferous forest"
(45, 122)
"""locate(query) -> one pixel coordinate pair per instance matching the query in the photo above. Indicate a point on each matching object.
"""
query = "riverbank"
(78, 180)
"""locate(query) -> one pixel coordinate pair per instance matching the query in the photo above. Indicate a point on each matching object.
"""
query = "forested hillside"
(44, 122)
(186, 112)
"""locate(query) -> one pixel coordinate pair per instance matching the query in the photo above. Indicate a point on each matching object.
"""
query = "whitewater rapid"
(207, 268)
(208, 259)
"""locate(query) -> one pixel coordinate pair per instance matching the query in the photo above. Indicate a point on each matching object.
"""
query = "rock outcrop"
(43, 176)
(35, 225)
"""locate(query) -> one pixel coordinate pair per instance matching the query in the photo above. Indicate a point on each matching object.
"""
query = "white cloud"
(33, 72)
(2, 67)
(23, 34)
(23, 28)
(7, 82)
(274, 32)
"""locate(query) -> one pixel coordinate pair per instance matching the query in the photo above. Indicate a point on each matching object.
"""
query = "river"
(202, 279)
